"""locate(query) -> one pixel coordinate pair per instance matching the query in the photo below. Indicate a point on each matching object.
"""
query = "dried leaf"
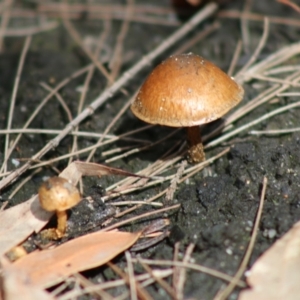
(16, 286)
(48, 267)
(92, 169)
(276, 274)
(20, 221)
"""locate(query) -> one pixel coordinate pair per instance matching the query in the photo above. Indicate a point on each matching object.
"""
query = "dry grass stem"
(45, 26)
(179, 284)
(274, 132)
(140, 149)
(6, 15)
(275, 59)
(245, 26)
(233, 283)
(116, 59)
(236, 55)
(235, 14)
(134, 202)
(85, 134)
(131, 278)
(192, 266)
(141, 13)
(111, 124)
(275, 112)
(60, 100)
(86, 84)
(139, 292)
(85, 284)
(75, 35)
(173, 183)
(7, 147)
(159, 280)
(145, 215)
(291, 4)
(257, 51)
(23, 182)
(197, 38)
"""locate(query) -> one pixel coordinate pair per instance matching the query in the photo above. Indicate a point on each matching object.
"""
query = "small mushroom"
(58, 194)
(186, 91)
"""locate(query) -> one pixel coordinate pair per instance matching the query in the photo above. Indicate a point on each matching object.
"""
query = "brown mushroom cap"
(186, 90)
(58, 194)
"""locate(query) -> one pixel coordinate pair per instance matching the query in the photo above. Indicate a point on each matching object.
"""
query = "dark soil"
(218, 205)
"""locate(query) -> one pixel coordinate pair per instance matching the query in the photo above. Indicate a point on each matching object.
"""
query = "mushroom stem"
(61, 223)
(195, 151)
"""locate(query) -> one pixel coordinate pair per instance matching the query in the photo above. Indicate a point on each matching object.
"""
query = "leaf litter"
(33, 222)
(49, 267)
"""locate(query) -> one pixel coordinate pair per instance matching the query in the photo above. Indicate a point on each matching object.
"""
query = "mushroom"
(58, 194)
(186, 91)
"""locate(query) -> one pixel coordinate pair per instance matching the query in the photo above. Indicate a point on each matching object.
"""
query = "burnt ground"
(219, 204)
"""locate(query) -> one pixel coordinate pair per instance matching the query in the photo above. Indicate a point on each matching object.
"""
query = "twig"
(143, 295)
(111, 124)
(250, 124)
(236, 55)
(133, 202)
(145, 215)
(191, 266)
(290, 4)
(23, 182)
(131, 279)
(227, 291)
(182, 272)
(7, 151)
(75, 35)
(116, 60)
(60, 100)
(262, 98)
(236, 14)
(198, 37)
(174, 182)
(284, 54)
(8, 4)
(245, 27)
(159, 280)
(140, 149)
(274, 132)
(85, 283)
(88, 79)
(32, 30)
(257, 51)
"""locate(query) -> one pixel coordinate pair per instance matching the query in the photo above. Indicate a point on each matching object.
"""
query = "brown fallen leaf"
(276, 274)
(77, 169)
(15, 285)
(20, 221)
(48, 267)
